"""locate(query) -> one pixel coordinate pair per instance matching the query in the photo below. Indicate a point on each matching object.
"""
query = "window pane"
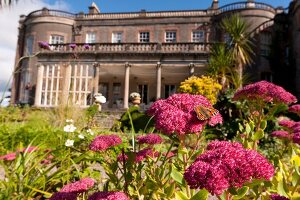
(90, 37)
(198, 36)
(56, 39)
(170, 36)
(144, 37)
(117, 37)
(29, 45)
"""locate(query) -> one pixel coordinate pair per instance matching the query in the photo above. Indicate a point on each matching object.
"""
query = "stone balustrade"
(130, 48)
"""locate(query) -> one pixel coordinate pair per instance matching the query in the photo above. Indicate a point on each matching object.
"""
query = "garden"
(216, 138)
(244, 146)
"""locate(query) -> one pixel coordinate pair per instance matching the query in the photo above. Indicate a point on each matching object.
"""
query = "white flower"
(69, 120)
(69, 143)
(134, 95)
(69, 128)
(100, 99)
(90, 132)
(81, 136)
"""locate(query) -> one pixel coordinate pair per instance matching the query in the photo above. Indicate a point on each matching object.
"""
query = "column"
(191, 69)
(126, 85)
(96, 77)
(158, 80)
(39, 84)
(66, 84)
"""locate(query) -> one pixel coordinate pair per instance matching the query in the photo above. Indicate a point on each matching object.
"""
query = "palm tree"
(241, 46)
(5, 3)
(220, 64)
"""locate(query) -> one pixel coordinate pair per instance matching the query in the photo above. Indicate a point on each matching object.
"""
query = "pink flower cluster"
(103, 142)
(295, 108)
(149, 139)
(265, 91)
(108, 196)
(292, 131)
(72, 46)
(278, 197)
(140, 155)
(44, 45)
(70, 191)
(176, 114)
(12, 156)
(145, 153)
(226, 165)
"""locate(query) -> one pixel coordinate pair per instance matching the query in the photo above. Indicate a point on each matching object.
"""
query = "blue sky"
(150, 5)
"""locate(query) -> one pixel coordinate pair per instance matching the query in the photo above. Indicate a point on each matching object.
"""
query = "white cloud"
(9, 18)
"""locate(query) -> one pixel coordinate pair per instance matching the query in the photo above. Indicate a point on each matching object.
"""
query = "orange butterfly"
(205, 113)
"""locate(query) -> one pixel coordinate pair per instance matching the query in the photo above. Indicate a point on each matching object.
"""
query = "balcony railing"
(178, 13)
(130, 48)
(246, 5)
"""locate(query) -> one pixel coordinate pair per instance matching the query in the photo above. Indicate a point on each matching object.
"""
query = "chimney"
(215, 4)
(93, 9)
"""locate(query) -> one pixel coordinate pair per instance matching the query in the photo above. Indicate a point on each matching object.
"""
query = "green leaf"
(296, 160)
(201, 195)
(177, 176)
(248, 129)
(241, 128)
(282, 188)
(252, 125)
(170, 190)
(263, 124)
(295, 179)
(181, 196)
(258, 135)
(241, 192)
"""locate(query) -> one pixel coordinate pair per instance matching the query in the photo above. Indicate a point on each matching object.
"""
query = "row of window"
(143, 37)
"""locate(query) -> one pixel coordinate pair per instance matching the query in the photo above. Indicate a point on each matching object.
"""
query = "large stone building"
(119, 53)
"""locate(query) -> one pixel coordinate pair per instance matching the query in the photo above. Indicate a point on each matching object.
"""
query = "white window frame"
(144, 37)
(56, 39)
(90, 37)
(117, 37)
(198, 36)
(170, 36)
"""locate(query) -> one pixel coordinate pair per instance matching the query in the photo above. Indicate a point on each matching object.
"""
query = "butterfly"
(204, 112)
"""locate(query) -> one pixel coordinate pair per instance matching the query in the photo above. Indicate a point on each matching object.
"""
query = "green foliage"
(203, 85)
(139, 121)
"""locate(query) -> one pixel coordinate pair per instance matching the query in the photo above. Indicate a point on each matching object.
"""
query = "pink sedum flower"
(281, 134)
(296, 138)
(176, 114)
(12, 156)
(149, 139)
(295, 108)
(278, 197)
(8, 157)
(145, 153)
(64, 196)
(108, 196)
(226, 165)
(287, 123)
(70, 191)
(122, 157)
(103, 142)
(79, 186)
(265, 91)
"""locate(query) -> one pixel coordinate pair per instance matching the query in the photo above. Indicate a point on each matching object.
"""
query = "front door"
(143, 90)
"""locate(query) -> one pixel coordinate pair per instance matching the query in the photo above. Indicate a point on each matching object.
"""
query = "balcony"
(136, 48)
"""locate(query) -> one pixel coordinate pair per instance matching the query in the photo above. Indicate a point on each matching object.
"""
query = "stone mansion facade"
(146, 52)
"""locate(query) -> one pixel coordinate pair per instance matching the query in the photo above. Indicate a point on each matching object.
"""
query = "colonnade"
(64, 86)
